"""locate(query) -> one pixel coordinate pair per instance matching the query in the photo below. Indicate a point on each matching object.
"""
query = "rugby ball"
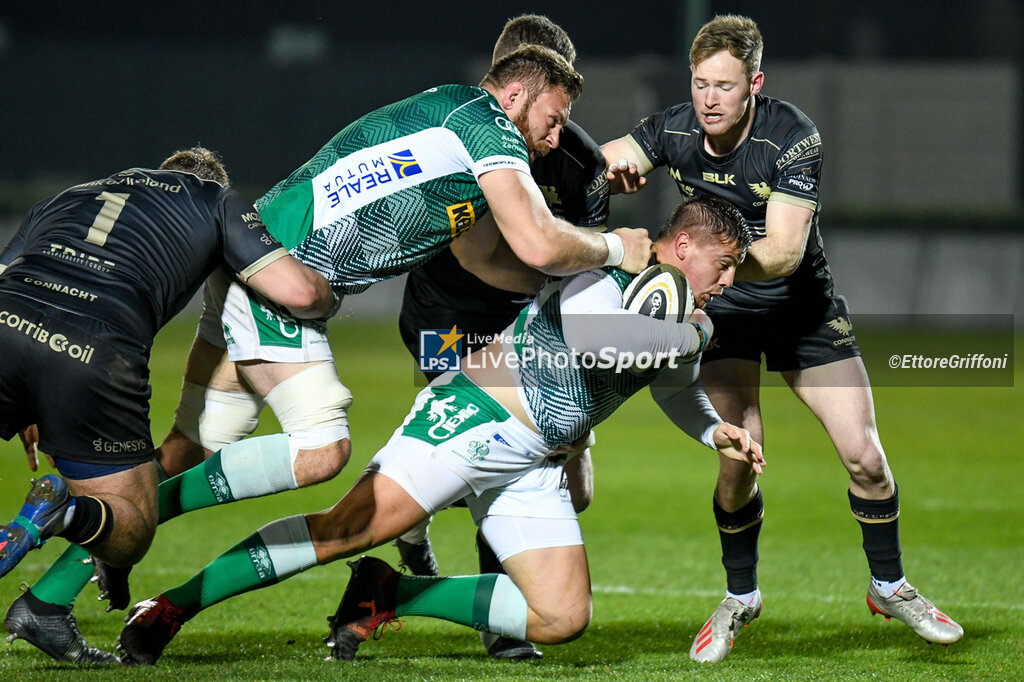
(662, 292)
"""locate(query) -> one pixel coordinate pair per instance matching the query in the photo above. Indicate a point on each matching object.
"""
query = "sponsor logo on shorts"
(115, 446)
(501, 440)
(404, 163)
(563, 488)
(73, 292)
(461, 217)
(448, 417)
(842, 326)
(440, 350)
(55, 341)
(475, 451)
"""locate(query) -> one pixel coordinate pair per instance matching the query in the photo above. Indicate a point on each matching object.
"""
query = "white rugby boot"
(917, 612)
(714, 641)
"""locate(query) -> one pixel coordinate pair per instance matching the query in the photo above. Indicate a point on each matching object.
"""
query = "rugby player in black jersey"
(85, 284)
(479, 286)
(764, 155)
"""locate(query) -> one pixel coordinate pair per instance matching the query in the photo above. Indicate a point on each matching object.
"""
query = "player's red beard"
(522, 123)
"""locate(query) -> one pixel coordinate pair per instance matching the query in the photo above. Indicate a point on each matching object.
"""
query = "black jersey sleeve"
(248, 246)
(572, 179)
(649, 137)
(592, 179)
(798, 176)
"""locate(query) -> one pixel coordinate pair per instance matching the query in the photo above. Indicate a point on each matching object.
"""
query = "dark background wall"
(93, 87)
(918, 104)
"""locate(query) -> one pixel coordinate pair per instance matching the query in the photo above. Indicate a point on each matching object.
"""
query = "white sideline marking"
(668, 592)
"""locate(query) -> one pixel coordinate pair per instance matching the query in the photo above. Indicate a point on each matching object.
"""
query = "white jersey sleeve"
(681, 396)
(593, 320)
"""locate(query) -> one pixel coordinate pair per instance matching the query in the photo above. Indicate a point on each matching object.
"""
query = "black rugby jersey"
(572, 180)
(132, 249)
(780, 158)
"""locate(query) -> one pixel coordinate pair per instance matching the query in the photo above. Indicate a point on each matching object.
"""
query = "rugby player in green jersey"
(474, 435)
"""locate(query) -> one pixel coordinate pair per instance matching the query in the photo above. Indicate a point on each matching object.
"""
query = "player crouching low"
(491, 435)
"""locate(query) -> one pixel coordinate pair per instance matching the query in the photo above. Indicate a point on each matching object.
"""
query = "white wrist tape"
(616, 252)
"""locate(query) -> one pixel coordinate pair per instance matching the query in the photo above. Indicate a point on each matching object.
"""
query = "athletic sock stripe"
(29, 526)
(482, 600)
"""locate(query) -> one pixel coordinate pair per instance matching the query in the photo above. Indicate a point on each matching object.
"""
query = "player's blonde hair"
(538, 68)
(199, 161)
(732, 32)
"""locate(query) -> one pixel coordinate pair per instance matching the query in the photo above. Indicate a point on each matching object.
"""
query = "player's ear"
(683, 242)
(514, 95)
(756, 83)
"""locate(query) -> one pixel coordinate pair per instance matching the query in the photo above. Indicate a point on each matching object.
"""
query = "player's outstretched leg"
(499, 647)
(368, 603)
(41, 517)
(52, 629)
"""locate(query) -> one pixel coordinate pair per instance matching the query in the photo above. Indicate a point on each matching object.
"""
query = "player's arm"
(682, 398)
(266, 267)
(554, 246)
(594, 322)
(287, 282)
(787, 226)
(627, 165)
(483, 252)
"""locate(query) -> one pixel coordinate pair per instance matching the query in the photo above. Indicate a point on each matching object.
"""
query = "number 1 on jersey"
(113, 204)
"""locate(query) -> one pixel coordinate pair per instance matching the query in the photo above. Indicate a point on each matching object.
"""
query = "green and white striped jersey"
(567, 398)
(394, 187)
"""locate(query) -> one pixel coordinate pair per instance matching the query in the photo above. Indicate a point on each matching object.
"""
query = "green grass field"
(651, 541)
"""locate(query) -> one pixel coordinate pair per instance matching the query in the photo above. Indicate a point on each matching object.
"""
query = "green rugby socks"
(252, 467)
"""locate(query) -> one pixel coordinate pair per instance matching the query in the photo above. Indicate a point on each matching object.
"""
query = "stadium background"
(923, 125)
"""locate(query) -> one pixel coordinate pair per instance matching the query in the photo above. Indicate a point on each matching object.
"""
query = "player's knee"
(212, 418)
(320, 464)
(312, 409)
(564, 623)
(866, 463)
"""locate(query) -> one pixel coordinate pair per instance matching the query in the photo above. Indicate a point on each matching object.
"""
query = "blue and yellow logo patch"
(404, 164)
(440, 350)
